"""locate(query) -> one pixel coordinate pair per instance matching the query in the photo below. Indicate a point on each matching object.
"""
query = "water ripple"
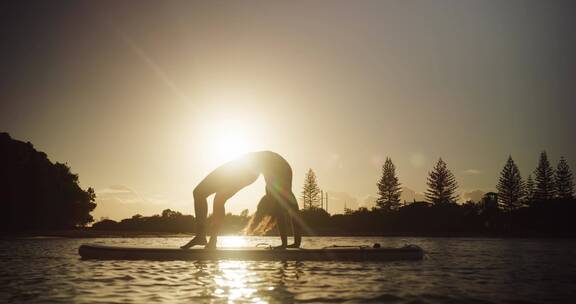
(455, 271)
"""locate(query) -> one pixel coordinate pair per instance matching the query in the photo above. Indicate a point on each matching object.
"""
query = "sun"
(225, 132)
(229, 142)
(220, 139)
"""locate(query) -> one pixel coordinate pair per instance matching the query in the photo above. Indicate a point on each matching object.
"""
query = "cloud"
(472, 171)
(115, 189)
(336, 205)
(410, 195)
(120, 194)
(475, 195)
(337, 201)
(118, 202)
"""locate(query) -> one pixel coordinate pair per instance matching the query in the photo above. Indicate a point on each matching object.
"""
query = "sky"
(144, 98)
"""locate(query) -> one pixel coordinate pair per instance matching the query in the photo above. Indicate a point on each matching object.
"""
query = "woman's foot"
(195, 241)
(211, 244)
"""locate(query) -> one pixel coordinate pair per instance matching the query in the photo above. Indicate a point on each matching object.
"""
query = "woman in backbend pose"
(279, 202)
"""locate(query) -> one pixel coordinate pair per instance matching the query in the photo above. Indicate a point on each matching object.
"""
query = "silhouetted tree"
(170, 213)
(167, 221)
(563, 180)
(510, 186)
(316, 218)
(389, 189)
(544, 175)
(310, 191)
(442, 185)
(105, 224)
(530, 190)
(38, 194)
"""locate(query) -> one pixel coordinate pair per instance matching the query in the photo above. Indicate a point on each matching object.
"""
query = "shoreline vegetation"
(414, 220)
(40, 198)
(547, 219)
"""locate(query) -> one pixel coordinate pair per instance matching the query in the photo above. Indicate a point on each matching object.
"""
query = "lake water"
(455, 270)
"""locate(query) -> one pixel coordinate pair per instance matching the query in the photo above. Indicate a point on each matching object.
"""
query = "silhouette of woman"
(279, 201)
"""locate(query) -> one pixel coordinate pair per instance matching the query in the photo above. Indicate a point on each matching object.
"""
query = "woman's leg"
(225, 181)
(200, 210)
(218, 215)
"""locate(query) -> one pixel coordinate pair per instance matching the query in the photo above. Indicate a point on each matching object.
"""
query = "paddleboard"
(105, 252)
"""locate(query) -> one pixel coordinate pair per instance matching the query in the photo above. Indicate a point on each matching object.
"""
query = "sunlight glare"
(230, 142)
(232, 241)
(226, 135)
(234, 279)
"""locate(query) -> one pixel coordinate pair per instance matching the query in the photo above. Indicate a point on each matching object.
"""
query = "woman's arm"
(283, 230)
(297, 222)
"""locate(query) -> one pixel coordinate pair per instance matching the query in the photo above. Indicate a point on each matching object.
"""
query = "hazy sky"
(142, 99)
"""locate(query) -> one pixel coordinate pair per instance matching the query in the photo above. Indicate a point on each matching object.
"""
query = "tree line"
(171, 221)
(513, 191)
(542, 205)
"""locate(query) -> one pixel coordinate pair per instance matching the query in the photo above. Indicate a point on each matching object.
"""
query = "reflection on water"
(255, 282)
(232, 241)
(455, 270)
(232, 281)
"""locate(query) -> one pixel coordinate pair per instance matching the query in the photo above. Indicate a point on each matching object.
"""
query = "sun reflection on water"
(233, 279)
(246, 281)
(232, 282)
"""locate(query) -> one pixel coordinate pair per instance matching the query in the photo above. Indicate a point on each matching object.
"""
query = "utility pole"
(326, 202)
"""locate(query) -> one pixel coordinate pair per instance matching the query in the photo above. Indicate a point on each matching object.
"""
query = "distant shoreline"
(90, 233)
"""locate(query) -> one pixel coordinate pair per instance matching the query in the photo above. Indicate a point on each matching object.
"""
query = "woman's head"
(265, 216)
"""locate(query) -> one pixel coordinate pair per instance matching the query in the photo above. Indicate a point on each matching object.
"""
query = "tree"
(170, 213)
(563, 180)
(529, 190)
(544, 175)
(310, 191)
(442, 185)
(510, 186)
(38, 194)
(389, 189)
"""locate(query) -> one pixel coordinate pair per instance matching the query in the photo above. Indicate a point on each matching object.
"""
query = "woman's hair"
(264, 219)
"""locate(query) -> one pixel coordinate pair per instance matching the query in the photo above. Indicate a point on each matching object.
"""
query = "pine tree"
(563, 180)
(510, 186)
(544, 175)
(310, 191)
(529, 190)
(442, 185)
(389, 189)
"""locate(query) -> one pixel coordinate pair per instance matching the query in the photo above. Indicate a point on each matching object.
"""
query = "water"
(455, 270)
